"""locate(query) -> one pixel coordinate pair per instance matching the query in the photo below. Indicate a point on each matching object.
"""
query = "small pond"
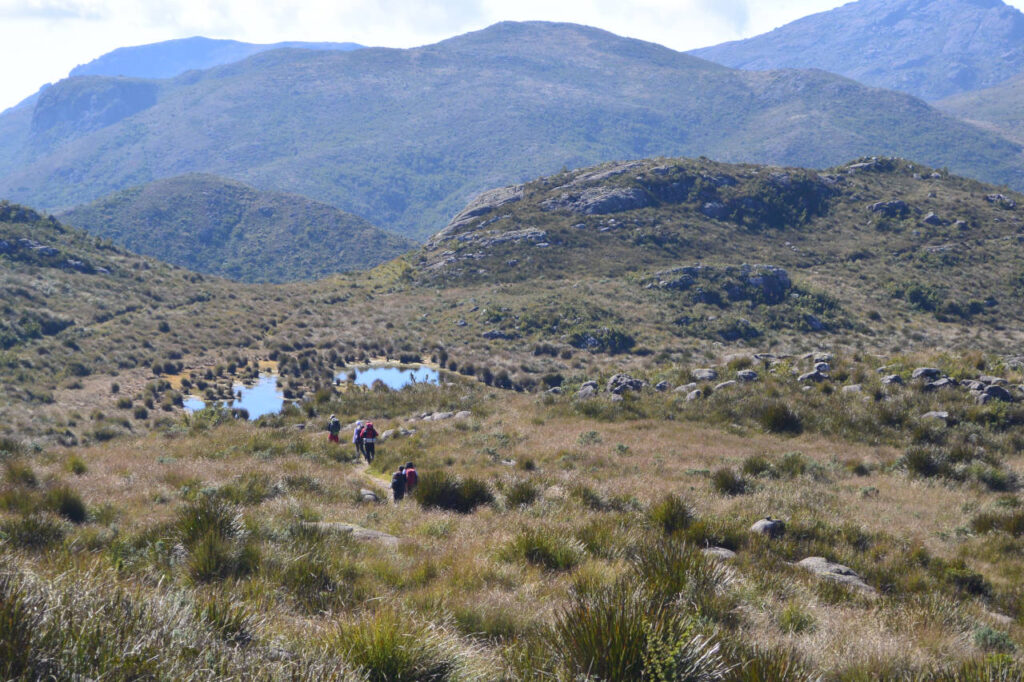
(263, 397)
(394, 378)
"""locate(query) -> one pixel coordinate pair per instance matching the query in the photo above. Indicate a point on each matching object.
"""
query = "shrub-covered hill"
(1000, 108)
(222, 227)
(734, 251)
(404, 138)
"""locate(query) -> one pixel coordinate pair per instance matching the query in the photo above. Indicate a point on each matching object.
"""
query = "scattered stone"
(460, 323)
(852, 388)
(724, 384)
(931, 219)
(557, 390)
(814, 376)
(463, 414)
(356, 532)
(929, 373)
(822, 357)
(815, 324)
(622, 383)
(587, 390)
(944, 382)
(387, 435)
(822, 367)
(719, 553)
(705, 375)
(497, 334)
(983, 398)
(685, 388)
(972, 385)
(890, 209)
(662, 386)
(823, 568)
(747, 375)
(441, 416)
(892, 380)
(695, 394)
(991, 380)
(616, 398)
(936, 414)
(367, 495)
(773, 528)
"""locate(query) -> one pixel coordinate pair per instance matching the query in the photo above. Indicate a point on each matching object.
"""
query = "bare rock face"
(480, 206)
(838, 573)
(600, 200)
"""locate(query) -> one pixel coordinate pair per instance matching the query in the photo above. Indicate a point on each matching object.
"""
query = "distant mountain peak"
(928, 48)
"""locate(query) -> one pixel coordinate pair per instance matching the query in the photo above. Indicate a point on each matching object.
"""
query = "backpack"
(333, 426)
(368, 432)
(411, 479)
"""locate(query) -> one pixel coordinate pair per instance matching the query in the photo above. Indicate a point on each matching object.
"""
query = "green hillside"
(221, 227)
(930, 49)
(998, 108)
(405, 137)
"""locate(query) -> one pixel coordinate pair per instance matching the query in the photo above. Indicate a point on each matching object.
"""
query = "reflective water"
(263, 397)
(394, 377)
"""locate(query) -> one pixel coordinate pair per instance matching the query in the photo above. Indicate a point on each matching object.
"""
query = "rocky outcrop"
(837, 573)
(482, 205)
(600, 200)
(769, 527)
(623, 383)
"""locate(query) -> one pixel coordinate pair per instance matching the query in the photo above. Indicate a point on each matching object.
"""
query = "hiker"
(369, 436)
(357, 439)
(398, 483)
(333, 429)
(411, 478)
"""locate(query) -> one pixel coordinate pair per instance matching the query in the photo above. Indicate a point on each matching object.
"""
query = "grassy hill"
(553, 535)
(997, 108)
(394, 136)
(218, 226)
(929, 49)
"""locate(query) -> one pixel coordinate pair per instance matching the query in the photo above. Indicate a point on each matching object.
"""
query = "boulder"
(814, 376)
(704, 374)
(463, 414)
(695, 394)
(587, 390)
(931, 219)
(769, 527)
(685, 388)
(844, 575)
(973, 385)
(852, 388)
(982, 398)
(498, 335)
(822, 357)
(991, 380)
(662, 386)
(616, 398)
(747, 375)
(944, 382)
(719, 553)
(890, 209)
(557, 390)
(998, 393)
(892, 380)
(926, 373)
(822, 367)
(367, 495)
(943, 415)
(724, 384)
(623, 383)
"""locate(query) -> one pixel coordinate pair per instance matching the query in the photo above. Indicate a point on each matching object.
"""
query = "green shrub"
(775, 416)
(35, 531)
(522, 493)
(669, 568)
(1010, 522)
(728, 482)
(76, 465)
(66, 502)
(124, 403)
(795, 619)
(248, 489)
(671, 514)
(989, 639)
(545, 548)
(388, 646)
(205, 516)
(20, 473)
(442, 490)
(758, 465)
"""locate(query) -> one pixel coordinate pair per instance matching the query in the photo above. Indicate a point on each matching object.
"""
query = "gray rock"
(463, 414)
(822, 367)
(586, 391)
(999, 393)
(704, 374)
(616, 398)
(719, 553)
(662, 386)
(367, 495)
(497, 334)
(354, 531)
(623, 383)
(928, 373)
(715, 210)
(725, 384)
(944, 382)
(892, 380)
(685, 388)
(814, 323)
(942, 415)
(991, 380)
(890, 209)
(5, 246)
(773, 528)
(387, 435)
(747, 375)
(441, 416)
(482, 205)
(982, 398)
(852, 388)
(822, 357)
(695, 394)
(931, 219)
(838, 573)
(816, 377)
(972, 385)
(557, 390)
(460, 323)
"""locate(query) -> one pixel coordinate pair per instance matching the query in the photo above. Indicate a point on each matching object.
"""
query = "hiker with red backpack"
(357, 439)
(369, 437)
(411, 478)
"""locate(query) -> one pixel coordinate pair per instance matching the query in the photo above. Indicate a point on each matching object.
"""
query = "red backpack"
(411, 479)
(368, 432)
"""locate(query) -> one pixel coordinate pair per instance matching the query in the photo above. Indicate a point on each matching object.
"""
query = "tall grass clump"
(671, 569)
(35, 531)
(66, 502)
(775, 416)
(727, 482)
(545, 548)
(218, 547)
(671, 514)
(617, 633)
(20, 473)
(389, 645)
(442, 490)
(17, 629)
(522, 493)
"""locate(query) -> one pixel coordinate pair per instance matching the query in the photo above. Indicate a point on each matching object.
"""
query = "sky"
(42, 40)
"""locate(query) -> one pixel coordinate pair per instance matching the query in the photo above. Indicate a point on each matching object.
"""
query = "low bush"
(389, 645)
(728, 482)
(442, 490)
(545, 548)
(20, 473)
(522, 493)
(76, 465)
(66, 502)
(671, 514)
(35, 531)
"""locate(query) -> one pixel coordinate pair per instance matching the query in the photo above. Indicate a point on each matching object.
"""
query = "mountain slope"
(1000, 108)
(172, 57)
(928, 48)
(221, 227)
(406, 137)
